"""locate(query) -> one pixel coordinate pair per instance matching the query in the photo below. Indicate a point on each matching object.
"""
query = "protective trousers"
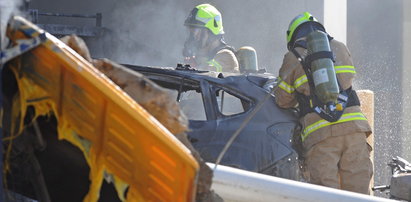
(341, 162)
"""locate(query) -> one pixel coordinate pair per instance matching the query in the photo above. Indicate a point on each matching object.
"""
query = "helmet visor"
(192, 20)
(193, 41)
(194, 33)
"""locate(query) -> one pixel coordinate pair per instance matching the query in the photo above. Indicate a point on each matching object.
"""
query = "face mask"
(193, 42)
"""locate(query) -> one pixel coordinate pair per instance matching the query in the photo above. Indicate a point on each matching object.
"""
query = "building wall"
(375, 39)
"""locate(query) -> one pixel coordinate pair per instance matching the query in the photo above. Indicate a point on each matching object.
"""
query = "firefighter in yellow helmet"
(334, 132)
(205, 48)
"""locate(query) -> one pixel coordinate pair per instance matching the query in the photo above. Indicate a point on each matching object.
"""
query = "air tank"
(247, 59)
(323, 73)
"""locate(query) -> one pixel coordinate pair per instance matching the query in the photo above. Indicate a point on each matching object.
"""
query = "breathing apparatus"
(326, 97)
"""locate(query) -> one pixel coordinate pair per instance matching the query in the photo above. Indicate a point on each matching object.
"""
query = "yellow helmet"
(296, 23)
(206, 16)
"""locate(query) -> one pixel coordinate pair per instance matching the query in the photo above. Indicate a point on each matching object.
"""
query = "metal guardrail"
(242, 186)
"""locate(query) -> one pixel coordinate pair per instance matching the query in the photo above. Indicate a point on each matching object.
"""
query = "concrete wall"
(406, 81)
(335, 19)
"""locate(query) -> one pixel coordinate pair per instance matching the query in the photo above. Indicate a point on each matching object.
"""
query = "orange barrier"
(117, 136)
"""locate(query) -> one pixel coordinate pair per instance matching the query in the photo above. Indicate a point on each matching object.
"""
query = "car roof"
(232, 80)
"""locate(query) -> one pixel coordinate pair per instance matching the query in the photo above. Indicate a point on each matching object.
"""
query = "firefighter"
(205, 47)
(335, 152)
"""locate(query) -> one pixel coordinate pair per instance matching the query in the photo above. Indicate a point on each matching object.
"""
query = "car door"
(226, 110)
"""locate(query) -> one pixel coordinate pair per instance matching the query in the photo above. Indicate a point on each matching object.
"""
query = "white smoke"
(147, 32)
(7, 9)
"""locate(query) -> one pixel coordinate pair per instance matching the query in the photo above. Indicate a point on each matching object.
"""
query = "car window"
(191, 102)
(229, 104)
(190, 98)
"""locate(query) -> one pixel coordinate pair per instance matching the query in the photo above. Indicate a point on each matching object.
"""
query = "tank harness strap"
(347, 98)
(306, 68)
(319, 55)
(311, 103)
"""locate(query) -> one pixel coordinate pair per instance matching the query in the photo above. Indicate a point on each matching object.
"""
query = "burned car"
(216, 104)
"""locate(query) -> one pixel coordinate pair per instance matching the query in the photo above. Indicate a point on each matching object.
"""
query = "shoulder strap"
(307, 70)
(319, 55)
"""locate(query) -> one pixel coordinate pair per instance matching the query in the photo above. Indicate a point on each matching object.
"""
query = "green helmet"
(297, 22)
(207, 16)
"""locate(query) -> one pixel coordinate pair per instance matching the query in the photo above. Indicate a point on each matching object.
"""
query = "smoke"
(7, 9)
(135, 31)
(152, 32)
(145, 33)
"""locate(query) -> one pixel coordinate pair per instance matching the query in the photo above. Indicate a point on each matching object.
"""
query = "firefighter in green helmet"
(334, 145)
(205, 47)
